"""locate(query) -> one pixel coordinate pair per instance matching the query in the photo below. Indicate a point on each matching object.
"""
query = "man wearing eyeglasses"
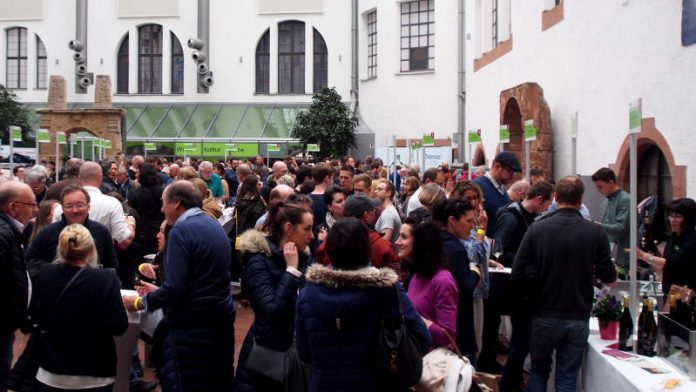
(76, 206)
(17, 208)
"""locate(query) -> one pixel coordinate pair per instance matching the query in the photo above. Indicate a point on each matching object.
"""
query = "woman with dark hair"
(678, 262)
(147, 201)
(219, 169)
(340, 309)
(250, 204)
(456, 218)
(43, 218)
(432, 289)
(408, 187)
(271, 276)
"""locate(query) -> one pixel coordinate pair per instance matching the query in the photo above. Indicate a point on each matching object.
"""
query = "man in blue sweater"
(495, 196)
(198, 350)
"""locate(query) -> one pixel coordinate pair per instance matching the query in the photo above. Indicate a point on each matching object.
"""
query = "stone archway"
(102, 120)
(526, 102)
(650, 136)
(479, 156)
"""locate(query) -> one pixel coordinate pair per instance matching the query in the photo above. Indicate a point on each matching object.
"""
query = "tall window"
(41, 64)
(494, 23)
(263, 63)
(291, 57)
(177, 66)
(150, 59)
(16, 66)
(321, 62)
(122, 67)
(417, 35)
(372, 44)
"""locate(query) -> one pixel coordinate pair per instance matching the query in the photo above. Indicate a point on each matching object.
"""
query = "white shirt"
(413, 202)
(105, 210)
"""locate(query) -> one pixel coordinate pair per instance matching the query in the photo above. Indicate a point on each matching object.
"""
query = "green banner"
(416, 144)
(474, 136)
(107, 143)
(149, 146)
(574, 126)
(428, 140)
(635, 115)
(43, 136)
(273, 147)
(191, 149)
(61, 137)
(530, 132)
(504, 134)
(15, 133)
(240, 150)
(313, 148)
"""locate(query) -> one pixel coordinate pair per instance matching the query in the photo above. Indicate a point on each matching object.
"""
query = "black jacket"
(680, 267)
(13, 278)
(512, 222)
(561, 254)
(147, 201)
(43, 249)
(79, 330)
(466, 283)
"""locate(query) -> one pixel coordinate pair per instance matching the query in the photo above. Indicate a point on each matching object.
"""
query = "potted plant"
(608, 311)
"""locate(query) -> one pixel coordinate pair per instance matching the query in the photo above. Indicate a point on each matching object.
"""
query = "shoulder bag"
(398, 355)
(281, 366)
(446, 371)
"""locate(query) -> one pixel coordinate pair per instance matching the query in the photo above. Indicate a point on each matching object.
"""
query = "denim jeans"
(6, 343)
(519, 348)
(569, 339)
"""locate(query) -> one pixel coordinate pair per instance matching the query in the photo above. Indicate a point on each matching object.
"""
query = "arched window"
(263, 63)
(150, 59)
(321, 62)
(41, 64)
(291, 57)
(16, 58)
(177, 66)
(654, 179)
(122, 67)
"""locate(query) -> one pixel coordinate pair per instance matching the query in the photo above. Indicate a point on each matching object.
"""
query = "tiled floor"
(245, 316)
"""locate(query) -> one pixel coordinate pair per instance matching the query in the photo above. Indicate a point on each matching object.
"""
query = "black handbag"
(281, 366)
(398, 355)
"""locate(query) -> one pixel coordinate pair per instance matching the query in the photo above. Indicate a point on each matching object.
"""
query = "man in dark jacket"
(72, 169)
(513, 221)
(198, 351)
(17, 208)
(559, 271)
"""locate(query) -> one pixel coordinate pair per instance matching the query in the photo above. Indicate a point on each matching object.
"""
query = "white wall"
(595, 61)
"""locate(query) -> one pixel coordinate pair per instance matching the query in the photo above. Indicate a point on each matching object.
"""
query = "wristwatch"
(651, 258)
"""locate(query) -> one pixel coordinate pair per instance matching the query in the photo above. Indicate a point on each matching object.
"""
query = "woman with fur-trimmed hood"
(340, 308)
(271, 277)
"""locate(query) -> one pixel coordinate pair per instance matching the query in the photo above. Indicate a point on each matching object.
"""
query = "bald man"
(17, 208)
(279, 193)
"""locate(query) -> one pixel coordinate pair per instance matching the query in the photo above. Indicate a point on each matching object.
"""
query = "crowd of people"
(324, 253)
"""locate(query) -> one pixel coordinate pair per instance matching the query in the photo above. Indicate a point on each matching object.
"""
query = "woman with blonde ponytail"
(78, 309)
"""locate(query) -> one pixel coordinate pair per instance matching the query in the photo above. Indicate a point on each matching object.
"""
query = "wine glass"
(497, 249)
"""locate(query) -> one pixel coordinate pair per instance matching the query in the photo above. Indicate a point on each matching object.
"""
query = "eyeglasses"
(32, 205)
(77, 206)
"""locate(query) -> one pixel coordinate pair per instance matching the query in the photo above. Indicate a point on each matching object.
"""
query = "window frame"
(372, 44)
(123, 68)
(21, 77)
(262, 67)
(154, 76)
(407, 48)
(494, 24)
(177, 53)
(320, 61)
(297, 57)
(41, 64)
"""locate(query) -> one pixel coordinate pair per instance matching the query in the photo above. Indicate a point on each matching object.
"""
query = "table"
(124, 348)
(601, 372)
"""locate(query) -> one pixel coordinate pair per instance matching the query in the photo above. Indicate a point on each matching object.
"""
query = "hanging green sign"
(530, 132)
(474, 136)
(61, 137)
(416, 144)
(149, 146)
(504, 134)
(273, 147)
(428, 139)
(15, 133)
(43, 136)
(635, 115)
(313, 147)
(107, 143)
(243, 150)
(187, 148)
(574, 126)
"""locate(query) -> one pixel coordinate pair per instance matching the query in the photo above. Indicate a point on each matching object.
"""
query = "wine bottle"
(647, 330)
(626, 327)
(648, 243)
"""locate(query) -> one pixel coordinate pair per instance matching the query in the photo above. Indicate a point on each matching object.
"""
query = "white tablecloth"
(602, 372)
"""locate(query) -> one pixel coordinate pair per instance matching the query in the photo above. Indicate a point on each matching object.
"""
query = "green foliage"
(12, 113)
(607, 308)
(327, 122)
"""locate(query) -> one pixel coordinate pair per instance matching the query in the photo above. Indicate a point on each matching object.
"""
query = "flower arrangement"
(607, 308)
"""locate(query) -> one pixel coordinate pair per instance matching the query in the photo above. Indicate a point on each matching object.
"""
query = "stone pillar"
(57, 93)
(102, 92)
